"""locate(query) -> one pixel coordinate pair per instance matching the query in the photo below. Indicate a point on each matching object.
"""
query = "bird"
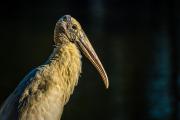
(45, 90)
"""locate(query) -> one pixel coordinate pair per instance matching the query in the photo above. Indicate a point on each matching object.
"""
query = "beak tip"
(106, 84)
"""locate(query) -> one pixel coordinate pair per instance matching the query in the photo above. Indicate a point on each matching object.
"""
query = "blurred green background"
(137, 41)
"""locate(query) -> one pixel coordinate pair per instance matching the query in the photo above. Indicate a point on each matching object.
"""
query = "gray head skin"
(42, 94)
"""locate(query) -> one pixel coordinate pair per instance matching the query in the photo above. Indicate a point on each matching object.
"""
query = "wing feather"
(9, 109)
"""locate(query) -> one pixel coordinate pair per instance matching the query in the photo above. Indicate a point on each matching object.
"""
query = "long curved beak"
(89, 52)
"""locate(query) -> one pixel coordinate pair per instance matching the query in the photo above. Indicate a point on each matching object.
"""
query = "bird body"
(45, 90)
(42, 94)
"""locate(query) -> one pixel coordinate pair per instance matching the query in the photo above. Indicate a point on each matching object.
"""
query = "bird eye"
(74, 27)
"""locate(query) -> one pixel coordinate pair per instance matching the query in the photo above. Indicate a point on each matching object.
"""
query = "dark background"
(137, 41)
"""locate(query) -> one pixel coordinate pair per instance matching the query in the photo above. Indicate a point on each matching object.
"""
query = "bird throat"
(65, 62)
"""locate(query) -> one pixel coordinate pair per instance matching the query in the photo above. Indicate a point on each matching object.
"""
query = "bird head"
(68, 29)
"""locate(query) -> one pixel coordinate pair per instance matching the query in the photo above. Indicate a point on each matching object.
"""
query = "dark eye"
(74, 27)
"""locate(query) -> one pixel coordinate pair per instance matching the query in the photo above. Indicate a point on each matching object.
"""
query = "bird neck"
(66, 62)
